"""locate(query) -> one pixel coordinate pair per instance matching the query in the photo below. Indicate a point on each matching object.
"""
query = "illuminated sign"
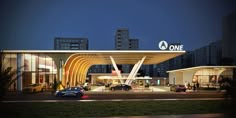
(163, 45)
(113, 72)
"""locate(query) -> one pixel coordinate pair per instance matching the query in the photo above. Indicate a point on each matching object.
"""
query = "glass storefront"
(37, 68)
(211, 77)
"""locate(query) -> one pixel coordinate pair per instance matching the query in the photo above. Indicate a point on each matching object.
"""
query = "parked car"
(178, 88)
(100, 84)
(146, 85)
(120, 87)
(108, 84)
(32, 88)
(71, 91)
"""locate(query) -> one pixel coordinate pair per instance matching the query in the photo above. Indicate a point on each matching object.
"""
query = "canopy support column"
(139, 64)
(132, 72)
(116, 69)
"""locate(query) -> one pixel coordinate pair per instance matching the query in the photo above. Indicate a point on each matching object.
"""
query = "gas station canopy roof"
(103, 56)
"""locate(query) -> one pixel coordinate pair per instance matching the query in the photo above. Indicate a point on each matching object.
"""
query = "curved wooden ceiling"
(77, 65)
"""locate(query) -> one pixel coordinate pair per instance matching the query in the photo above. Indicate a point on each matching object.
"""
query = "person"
(86, 86)
(189, 86)
(14, 86)
(194, 87)
(198, 85)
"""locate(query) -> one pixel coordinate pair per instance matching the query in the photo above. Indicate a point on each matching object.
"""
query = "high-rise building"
(133, 44)
(208, 55)
(123, 42)
(229, 37)
(71, 44)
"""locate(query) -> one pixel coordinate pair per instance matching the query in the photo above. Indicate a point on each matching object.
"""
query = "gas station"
(71, 67)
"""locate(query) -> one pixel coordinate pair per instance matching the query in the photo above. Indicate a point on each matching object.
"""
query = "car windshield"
(75, 88)
(72, 89)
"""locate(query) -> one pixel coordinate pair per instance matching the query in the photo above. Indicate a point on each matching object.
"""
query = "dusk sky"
(33, 24)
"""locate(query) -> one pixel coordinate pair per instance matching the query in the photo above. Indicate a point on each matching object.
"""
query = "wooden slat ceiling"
(130, 57)
(103, 56)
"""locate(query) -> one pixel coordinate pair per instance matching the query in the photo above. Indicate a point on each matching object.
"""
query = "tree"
(7, 76)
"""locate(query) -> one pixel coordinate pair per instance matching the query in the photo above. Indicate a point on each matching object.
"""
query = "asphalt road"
(117, 95)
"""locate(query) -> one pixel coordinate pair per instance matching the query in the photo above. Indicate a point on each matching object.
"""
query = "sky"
(33, 24)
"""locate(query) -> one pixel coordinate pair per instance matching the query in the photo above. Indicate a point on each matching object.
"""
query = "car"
(120, 87)
(108, 84)
(70, 91)
(33, 88)
(99, 84)
(178, 88)
(146, 85)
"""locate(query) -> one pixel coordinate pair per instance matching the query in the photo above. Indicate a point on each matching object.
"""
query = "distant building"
(208, 55)
(159, 70)
(100, 69)
(123, 42)
(71, 44)
(133, 44)
(229, 37)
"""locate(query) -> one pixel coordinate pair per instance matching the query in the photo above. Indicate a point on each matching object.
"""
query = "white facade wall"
(188, 76)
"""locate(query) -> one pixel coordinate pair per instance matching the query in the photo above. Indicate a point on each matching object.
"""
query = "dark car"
(108, 84)
(178, 88)
(121, 87)
(71, 91)
(100, 84)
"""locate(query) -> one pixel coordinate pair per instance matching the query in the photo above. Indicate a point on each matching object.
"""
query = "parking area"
(136, 89)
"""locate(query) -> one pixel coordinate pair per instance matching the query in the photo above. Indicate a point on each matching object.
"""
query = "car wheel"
(78, 95)
(59, 95)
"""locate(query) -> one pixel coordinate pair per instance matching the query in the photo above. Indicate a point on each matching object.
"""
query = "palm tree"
(7, 76)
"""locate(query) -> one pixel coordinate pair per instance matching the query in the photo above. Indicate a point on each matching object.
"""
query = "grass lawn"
(118, 108)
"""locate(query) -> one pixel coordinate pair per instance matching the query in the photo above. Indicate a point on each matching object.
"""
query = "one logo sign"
(163, 45)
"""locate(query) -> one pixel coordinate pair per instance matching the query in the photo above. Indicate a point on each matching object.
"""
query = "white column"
(33, 68)
(61, 69)
(116, 69)
(135, 69)
(20, 68)
(131, 73)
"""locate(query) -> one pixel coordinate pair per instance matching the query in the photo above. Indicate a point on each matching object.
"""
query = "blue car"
(71, 91)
